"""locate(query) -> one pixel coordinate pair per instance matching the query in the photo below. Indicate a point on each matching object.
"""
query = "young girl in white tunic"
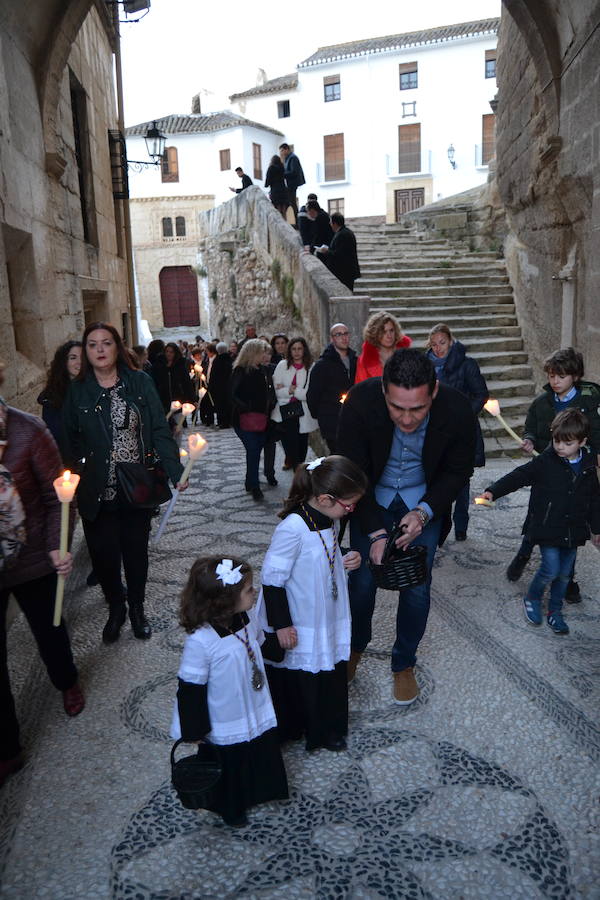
(223, 696)
(304, 600)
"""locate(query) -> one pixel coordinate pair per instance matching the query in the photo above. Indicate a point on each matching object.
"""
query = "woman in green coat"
(112, 414)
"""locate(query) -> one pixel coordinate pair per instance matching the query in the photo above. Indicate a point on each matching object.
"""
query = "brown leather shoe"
(73, 700)
(352, 664)
(406, 689)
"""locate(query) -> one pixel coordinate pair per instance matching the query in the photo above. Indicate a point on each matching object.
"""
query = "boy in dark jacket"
(565, 390)
(564, 505)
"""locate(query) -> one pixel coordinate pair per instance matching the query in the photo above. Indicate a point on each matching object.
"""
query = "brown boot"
(406, 689)
(352, 664)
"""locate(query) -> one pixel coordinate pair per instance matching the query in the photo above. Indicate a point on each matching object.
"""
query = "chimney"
(196, 104)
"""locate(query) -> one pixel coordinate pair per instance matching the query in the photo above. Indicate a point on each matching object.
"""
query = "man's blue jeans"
(413, 603)
(555, 570)
(253, 442)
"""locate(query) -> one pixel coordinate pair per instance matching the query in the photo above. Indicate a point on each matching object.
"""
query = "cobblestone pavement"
(487, 787)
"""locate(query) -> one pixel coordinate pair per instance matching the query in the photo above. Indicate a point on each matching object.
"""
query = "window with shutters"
(180, 226)
(332, 88)
(225, 160)
(490, 63)
(167, 227)
(409, 148)
(336, 204)
(409, 76)
(170, 165)
(488, 138)
(283, 109)
(333, 155)
(257, 160)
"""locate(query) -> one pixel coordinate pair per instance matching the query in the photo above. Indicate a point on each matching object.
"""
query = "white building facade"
(197, 172)
(382, 126)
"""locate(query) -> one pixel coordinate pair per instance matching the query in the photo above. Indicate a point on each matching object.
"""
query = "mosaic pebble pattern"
(448, 798)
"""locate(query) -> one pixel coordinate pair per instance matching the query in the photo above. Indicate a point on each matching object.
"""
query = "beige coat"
(282, 379)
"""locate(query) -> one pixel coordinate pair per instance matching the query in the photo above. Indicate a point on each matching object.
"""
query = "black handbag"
(140, 486)
(291, 411)
(194, 777)
(400, 568)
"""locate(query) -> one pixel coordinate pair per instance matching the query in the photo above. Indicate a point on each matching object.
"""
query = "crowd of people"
(326, 236)
(402, 434)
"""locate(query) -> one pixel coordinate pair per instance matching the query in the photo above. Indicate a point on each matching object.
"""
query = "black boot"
(116, 617)
(139, 623)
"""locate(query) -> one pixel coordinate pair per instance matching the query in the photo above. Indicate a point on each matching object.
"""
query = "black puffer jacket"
(462, 373)
(563, 506)
(329, 379)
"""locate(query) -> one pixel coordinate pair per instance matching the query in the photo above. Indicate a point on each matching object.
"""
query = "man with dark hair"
(341, 257)
(315, 227)
(415, 440)
(249, 336)
(331, 378)
(294, 176)
(246, 181)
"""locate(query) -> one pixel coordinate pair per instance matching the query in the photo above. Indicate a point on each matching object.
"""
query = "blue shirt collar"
(572, 393)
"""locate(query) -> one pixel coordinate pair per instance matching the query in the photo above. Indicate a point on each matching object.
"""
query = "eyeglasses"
(349, 507)
(340, 334)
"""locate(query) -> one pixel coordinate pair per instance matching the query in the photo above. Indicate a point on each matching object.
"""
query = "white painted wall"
(198, 157)
(451, 97)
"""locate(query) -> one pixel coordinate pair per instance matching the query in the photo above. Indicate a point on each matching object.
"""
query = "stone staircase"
(423, 282)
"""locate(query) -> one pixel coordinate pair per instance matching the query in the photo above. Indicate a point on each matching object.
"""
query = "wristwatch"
(422, 515)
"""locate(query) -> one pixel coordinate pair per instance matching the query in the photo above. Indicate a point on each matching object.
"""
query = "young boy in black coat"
(564, 506)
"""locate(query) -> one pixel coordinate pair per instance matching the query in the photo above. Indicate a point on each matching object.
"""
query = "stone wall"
(258, 273)
(548, 165)
(50, 275)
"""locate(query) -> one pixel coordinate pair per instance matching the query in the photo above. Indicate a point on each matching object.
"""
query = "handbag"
(399, 568)
(193, 777)
(143, 487)
(253, 421)
(291, 411)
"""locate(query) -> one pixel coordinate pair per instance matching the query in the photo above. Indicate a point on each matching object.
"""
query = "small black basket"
(400, 568)
(194, 777)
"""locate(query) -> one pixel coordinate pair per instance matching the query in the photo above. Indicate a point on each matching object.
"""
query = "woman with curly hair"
(382, 336)
(63, 369)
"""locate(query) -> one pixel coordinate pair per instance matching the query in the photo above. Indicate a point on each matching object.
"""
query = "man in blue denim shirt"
(415, 441)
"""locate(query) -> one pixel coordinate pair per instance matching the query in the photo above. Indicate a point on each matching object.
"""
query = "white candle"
(175, 407)
(65, 486)
(493, 407)
(483, 501)
(187, 409)
(196, 446)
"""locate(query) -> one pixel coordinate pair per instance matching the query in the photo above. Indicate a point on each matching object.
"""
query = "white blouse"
(284, 376)
(296, 560)
(237, 712)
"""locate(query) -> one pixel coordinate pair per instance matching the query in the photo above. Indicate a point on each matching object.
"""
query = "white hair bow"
(315, 463)
(226, 572)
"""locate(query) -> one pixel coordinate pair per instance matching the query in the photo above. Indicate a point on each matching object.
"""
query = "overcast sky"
(183, 47)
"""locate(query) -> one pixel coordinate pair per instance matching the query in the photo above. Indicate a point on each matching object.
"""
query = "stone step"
(430, 313)
(508, 373)
(483, 348)
(462, 327)
(467, 303)
(435, 291)
(433, 280)
(415, 269)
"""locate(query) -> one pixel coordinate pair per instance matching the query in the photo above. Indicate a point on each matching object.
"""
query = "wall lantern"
(451, 156)
(155, 144)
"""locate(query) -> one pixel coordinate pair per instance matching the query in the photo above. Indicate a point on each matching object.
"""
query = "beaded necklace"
(330, 556)
(257, 679)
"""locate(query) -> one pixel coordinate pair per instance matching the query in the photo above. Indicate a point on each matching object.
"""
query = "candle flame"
(482, 501)
(67, 475)
(183, 453)
(492, 406)
(343, 398)
(187, 408)
(175, 404)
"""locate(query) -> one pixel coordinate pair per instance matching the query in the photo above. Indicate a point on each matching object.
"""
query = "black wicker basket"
(195, 776)
(400, 568)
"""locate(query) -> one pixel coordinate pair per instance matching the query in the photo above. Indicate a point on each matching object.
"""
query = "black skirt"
(314, 706)
(253, 773)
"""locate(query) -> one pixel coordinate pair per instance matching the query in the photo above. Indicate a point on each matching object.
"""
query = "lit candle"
(482, 501)
(187, 409)
(175, 407)
(343, 398)
(198, 369)
(196, 447)
(65, 486)
(493, 408)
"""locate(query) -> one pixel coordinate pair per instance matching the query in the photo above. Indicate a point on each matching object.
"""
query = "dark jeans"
(115, 535)
(36, 599)
(413, 603)
(269, 453)
(555, 571)
(253, 442)
(295, 445)
(460, 515)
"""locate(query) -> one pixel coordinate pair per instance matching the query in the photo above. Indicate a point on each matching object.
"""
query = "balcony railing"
(392, 165)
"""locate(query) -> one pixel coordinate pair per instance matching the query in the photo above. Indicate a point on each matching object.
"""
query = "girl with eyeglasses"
(304, 600)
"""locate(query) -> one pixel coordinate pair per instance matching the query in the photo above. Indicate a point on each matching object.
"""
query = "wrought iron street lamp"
(155, 145)
(451, 156)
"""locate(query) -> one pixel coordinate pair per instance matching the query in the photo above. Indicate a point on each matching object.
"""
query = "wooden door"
(408, 199)
(179, 296)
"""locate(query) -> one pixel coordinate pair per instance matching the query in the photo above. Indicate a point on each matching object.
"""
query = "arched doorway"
(179, 296)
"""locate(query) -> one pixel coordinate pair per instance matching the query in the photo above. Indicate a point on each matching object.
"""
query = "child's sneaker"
(557, 623)
(533, 611)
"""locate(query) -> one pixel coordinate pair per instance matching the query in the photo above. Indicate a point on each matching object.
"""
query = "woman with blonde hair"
(252, 397)
(382, 336)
